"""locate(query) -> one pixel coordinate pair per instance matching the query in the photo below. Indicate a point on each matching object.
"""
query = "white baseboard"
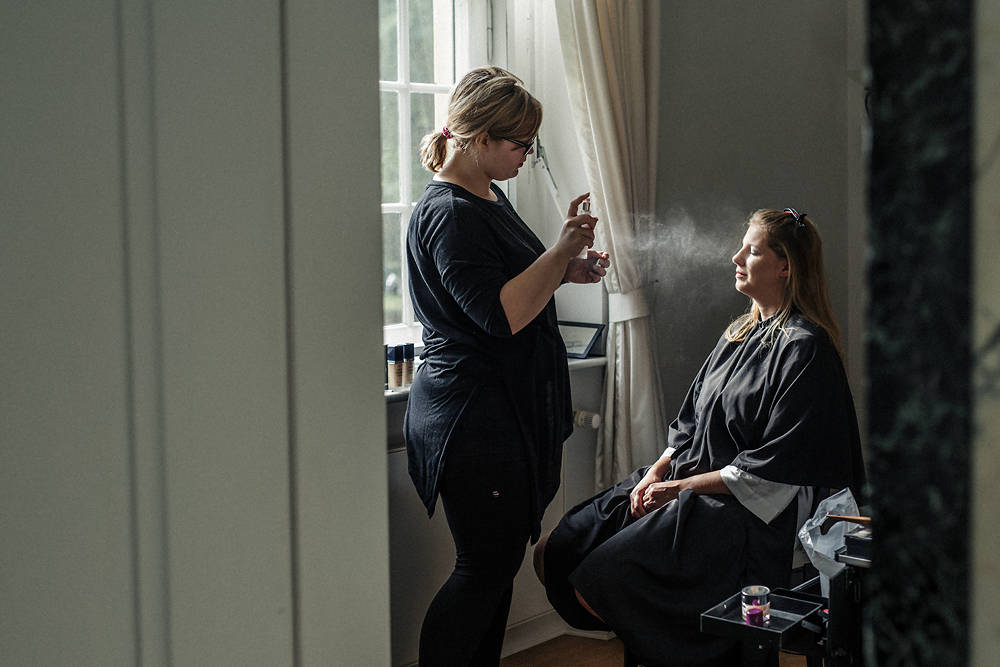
(533, 631)
(591, 634)
(541, 628)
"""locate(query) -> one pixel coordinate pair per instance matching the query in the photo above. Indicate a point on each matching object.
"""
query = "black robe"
(461, 250)
(778, 407)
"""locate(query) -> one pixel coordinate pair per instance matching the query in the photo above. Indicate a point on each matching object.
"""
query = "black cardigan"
(461, 250)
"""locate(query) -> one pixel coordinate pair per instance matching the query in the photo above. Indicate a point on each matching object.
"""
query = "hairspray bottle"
(585, 208)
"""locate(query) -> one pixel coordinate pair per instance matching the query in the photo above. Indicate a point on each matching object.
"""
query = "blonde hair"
(486, 99)
(795, 240)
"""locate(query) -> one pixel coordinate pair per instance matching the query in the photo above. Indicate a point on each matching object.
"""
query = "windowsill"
(401, 394)
(587, 362)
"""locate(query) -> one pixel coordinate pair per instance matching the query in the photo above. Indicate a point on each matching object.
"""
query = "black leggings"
(484, 491)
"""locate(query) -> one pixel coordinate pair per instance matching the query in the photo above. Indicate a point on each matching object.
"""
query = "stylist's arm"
(526, 294)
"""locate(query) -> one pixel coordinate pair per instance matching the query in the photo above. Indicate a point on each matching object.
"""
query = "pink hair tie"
(447, 134)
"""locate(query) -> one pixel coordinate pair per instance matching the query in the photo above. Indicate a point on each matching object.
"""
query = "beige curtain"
(611, 54)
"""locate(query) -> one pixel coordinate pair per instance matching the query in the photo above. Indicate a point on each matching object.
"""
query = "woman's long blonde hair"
(486, 99)
(793, 238)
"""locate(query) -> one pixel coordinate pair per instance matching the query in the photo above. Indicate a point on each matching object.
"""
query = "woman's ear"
(784, 268)
(482, 140)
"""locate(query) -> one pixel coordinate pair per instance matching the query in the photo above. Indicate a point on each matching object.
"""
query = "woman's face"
(506, 157)
(760, 273)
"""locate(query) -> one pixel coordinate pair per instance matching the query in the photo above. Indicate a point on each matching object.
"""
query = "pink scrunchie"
(446, 132)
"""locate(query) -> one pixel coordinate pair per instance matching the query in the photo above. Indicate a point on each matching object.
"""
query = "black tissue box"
(858, 543)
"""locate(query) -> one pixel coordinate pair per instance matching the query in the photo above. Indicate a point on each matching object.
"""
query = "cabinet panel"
(65, 454)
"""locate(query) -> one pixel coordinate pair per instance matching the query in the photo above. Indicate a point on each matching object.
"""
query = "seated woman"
(770, 414)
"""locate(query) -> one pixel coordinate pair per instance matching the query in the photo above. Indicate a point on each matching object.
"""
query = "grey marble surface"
(920, 351)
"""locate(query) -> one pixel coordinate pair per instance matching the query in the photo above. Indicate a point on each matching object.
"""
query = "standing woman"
(489, 407)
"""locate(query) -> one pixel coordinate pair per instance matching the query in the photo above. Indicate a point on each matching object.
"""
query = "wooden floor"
(568, 651)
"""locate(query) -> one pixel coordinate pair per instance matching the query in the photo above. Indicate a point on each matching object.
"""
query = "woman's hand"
(589, 270)
(651, 494)
(577, 231)
(655, 475)
(527, 293)
(659, 494)
(637, 497)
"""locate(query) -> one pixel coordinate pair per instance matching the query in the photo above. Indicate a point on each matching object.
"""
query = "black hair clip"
(798, 218)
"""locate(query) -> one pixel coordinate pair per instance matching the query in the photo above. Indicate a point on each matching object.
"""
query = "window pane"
(392, 269)
(432, 41)
(422, 41)
(427, 113)
(390, 147)
(421, 122)
(388, 40)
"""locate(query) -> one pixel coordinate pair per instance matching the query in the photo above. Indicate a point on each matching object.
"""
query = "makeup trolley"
(825, 630)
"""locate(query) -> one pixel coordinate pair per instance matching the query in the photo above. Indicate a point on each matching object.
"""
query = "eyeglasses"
(526, 146)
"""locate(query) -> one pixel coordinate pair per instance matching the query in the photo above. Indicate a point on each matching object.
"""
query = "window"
(423, 45)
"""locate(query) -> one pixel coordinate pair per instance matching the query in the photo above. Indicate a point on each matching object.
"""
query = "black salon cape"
(461, 250)
(777, 407)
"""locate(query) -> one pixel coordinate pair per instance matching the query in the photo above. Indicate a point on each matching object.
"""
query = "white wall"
(190, 236)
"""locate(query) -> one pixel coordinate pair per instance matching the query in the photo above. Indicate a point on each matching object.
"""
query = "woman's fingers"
(635, 500)
(650, 501)
(584, 234)
(574, 206)
(601, 264)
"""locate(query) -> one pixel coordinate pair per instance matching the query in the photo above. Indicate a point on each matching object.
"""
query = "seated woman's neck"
(766, 312)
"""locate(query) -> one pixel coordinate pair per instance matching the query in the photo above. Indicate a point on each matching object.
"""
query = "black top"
(777, 406)
(461, 250)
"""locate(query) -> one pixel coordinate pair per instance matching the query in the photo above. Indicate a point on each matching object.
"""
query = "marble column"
(920, 331)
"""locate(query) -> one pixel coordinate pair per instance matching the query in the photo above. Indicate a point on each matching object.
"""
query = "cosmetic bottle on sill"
(407, 364)
(394, 364)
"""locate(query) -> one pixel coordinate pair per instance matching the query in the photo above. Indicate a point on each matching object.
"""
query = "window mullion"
(405, 147)
(408, 317)
(405, 144)
(403, 43)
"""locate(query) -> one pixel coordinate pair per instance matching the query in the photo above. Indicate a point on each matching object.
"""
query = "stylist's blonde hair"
(797, 242)
(487, 99)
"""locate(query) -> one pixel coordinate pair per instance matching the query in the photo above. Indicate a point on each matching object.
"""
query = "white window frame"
(473, 46)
